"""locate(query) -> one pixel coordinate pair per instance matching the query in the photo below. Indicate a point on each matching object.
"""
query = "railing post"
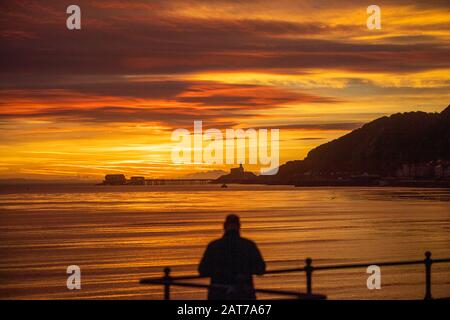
(167, 280)
(308, 271)
(428, 263)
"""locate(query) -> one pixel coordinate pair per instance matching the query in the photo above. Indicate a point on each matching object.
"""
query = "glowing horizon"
(105, 99)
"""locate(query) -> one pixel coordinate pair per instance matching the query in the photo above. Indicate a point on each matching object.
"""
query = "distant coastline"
(404, 150)
(349, 181)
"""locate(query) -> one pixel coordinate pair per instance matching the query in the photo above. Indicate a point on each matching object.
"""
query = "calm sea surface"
(118, 235)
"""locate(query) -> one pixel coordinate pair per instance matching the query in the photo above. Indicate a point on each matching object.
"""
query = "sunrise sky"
(106, 98)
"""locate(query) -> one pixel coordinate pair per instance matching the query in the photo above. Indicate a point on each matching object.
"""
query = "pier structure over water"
(120, 179)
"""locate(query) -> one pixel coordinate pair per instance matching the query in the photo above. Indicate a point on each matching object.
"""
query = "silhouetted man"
(230, 262)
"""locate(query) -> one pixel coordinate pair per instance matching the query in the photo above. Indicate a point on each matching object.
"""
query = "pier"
(120, 179)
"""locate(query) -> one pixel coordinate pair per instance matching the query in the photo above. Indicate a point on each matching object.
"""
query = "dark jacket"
(230, 262)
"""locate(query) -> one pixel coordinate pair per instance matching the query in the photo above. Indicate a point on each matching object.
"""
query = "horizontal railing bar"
(380, 264)
(289, 270)
(440, 260)
(356, 265)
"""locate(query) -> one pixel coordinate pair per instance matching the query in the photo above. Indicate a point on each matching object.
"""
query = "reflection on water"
(118, 235)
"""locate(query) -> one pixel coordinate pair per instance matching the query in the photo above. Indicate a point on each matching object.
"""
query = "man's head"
(232, 223)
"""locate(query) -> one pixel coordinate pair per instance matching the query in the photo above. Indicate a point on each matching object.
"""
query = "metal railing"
(167, 280)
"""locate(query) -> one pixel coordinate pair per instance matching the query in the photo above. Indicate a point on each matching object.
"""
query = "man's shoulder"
(248, 242)
(215, 243)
